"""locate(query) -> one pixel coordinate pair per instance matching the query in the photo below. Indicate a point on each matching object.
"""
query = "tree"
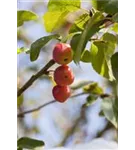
(67, 22)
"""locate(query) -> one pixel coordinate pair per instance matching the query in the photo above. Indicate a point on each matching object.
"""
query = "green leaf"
(115, 108)
(58, 18)
(108, 6)
(93, 88)
(38, 44)
(108, 37)
(114, 63)
(75, 40)
(57, 11)
(115, 27)
(85, 57)
(19, 148)
(101, 113)
(90, 100)
(82, 20)
(60, 5)
(68, 37)
(79, 23)
(91, 28)
(115, 17)
(74, 28)
(101, 53)
(20, 50)
(110, 110)
(24, 15)
(20, 101)
(29, 143)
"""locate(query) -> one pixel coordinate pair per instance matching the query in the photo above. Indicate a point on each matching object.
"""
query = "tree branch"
(45, 104)
(35, 77)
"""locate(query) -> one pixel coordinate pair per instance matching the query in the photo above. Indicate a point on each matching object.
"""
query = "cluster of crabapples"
(63, 75)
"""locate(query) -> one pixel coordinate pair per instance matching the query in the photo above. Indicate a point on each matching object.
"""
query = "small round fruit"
(61, 93)
(63, 75)
(62, 53)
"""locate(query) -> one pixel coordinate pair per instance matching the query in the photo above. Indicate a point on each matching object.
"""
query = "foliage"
(38, 44)
(57, 11)
(91, 28)
(108, 6)
(110, 109)
(29, 143)
(93, 88)
(24, 15)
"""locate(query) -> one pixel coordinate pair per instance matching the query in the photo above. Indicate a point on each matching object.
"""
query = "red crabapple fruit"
(62, 53)
(61, 93)
(63, 75)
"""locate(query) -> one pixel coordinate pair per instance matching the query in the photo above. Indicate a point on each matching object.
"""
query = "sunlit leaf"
(85, 57)
(60, 5)
(58, 18)
(100, 58)
(93, 88)
(57, 11)
(74, 28)
(115, 27)
(25, 15)
(110, 38)
(21, 50)
(80, 23)
(91, 28)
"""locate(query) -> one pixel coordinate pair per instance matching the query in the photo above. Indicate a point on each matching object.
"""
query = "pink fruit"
(62, 53)
(63, 75)
(61, 93)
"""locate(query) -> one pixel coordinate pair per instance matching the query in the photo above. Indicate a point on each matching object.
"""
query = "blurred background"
(56, 124)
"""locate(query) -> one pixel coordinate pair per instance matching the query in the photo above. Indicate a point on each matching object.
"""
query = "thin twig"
(34, 109)
(53, 101)
(45, 104)
(35, 77)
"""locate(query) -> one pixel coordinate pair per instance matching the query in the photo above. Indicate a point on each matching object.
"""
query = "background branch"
(35, 77)
(45, 104)
(53, 101)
